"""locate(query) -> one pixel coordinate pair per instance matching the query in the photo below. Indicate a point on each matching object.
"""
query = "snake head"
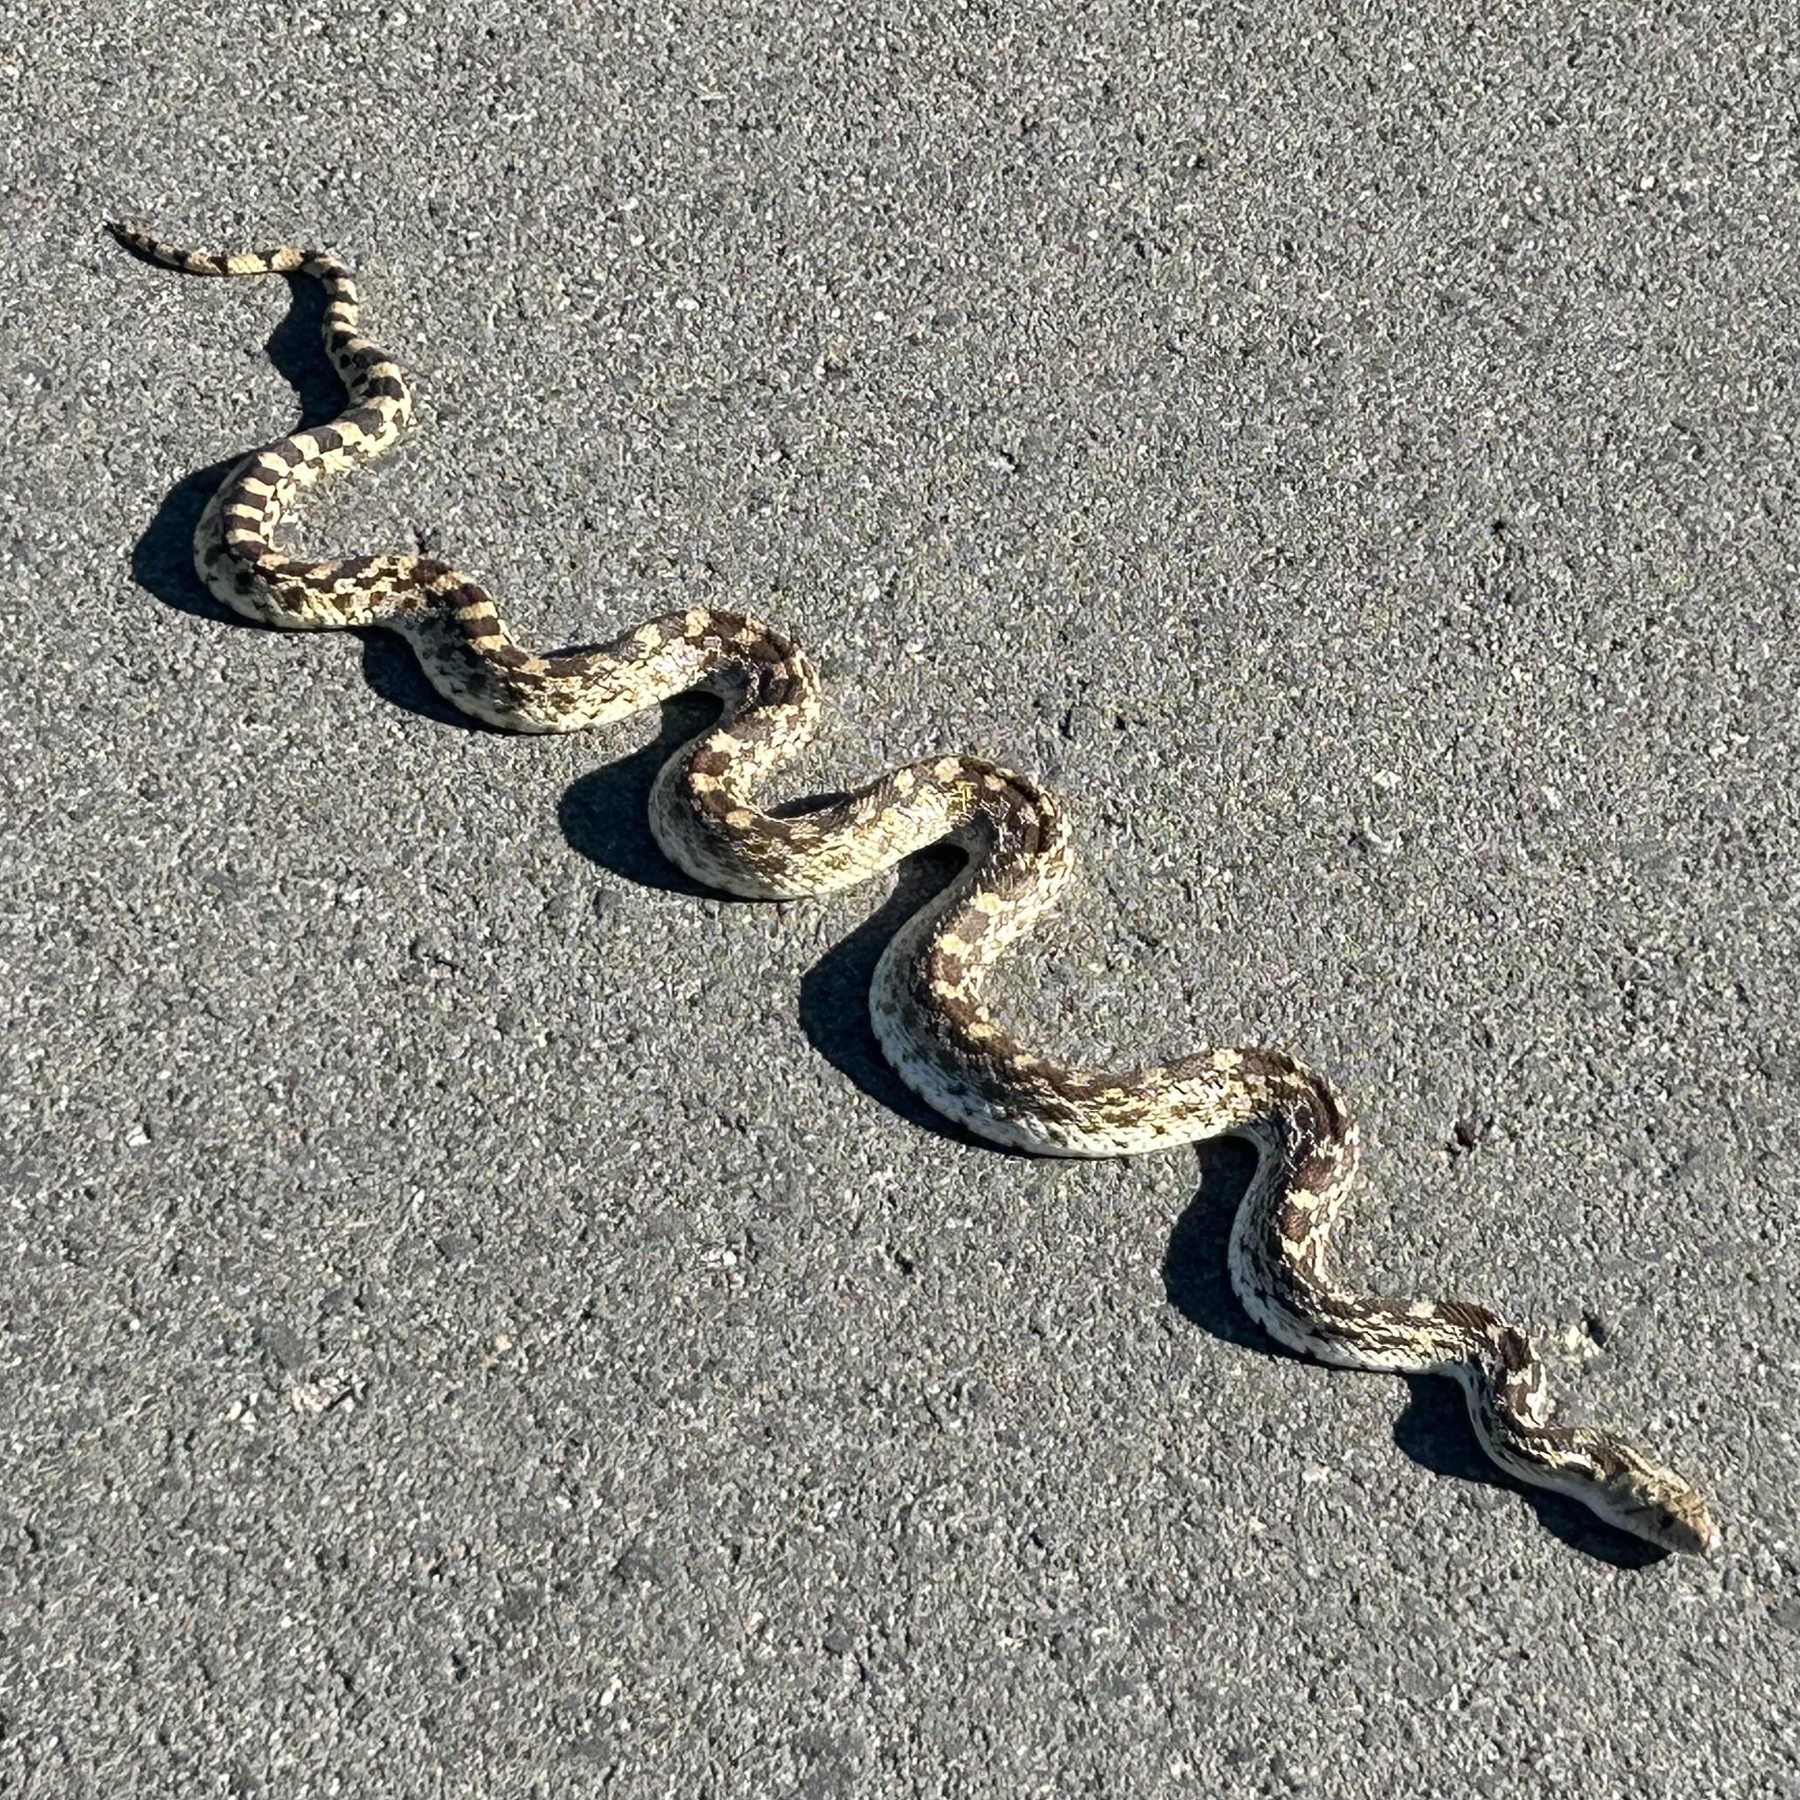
(1681, 1523)
(1654, 1503)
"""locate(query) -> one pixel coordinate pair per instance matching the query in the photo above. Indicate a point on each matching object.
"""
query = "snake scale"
(926, 995)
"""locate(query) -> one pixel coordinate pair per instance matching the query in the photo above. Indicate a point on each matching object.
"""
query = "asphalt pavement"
(480, 1317)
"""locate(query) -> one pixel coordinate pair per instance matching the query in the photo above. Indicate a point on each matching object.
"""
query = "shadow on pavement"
(162, 560)
(834, 1000)
(605, 814)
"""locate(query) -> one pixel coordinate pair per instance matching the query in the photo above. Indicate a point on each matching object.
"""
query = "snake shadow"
(604, 817)
(1433, 1428)
(162, 559)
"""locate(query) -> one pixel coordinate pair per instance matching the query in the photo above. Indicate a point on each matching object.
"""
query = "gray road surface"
(479, 1318)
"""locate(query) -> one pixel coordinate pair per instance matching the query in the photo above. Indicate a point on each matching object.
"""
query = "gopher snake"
(926, 996)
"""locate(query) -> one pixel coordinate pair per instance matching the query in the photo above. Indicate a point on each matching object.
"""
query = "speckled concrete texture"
(480, 1318)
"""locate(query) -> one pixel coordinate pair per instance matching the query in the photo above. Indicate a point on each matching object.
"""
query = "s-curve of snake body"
(926, 996)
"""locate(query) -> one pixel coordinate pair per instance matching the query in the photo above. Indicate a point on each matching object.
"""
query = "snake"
(926, 1000)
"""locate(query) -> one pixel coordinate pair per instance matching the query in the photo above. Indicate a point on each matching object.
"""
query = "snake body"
(926, 999)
